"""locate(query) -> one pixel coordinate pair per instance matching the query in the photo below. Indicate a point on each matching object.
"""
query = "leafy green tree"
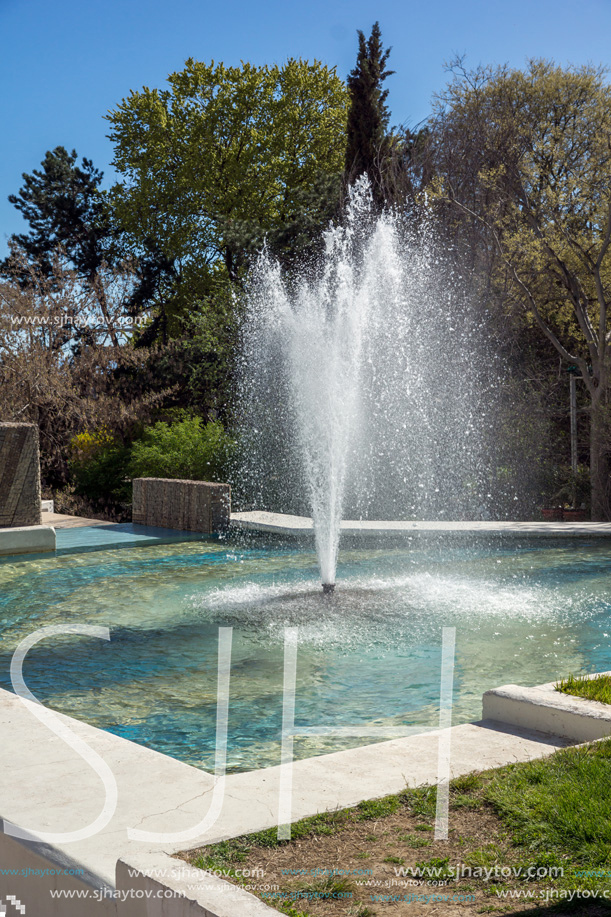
(219, 160)
(191, 372)
(368, 143)
(526, 156)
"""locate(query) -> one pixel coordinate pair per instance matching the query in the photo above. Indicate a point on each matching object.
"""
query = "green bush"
(188, 449)
(99, 464)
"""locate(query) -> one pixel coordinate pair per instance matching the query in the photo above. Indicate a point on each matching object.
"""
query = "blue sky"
(63, 64)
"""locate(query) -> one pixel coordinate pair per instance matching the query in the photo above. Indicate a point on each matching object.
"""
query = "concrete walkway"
(75, 534)
(282, 524)
(46, 786)
(61, 521)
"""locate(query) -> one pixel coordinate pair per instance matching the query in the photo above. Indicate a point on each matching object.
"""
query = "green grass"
(412, 840)
(553, 812)
(439, 864)
(597, 688)
(559, 804)
(327, 887)
(466, 801)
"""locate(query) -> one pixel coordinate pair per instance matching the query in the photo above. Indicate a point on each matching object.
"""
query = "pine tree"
(65, 208)
(68, 212)
(368, 115)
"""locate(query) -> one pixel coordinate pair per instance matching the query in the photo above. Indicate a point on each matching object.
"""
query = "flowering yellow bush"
(84, 446)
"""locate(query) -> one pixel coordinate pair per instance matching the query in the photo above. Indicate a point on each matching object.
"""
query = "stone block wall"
(19, 475)
(191, 506)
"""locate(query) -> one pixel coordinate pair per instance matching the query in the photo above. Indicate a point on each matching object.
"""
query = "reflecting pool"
(525, 612)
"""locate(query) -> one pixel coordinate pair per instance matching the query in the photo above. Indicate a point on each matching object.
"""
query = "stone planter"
(574, 515)
(19, 475)
(190, 506)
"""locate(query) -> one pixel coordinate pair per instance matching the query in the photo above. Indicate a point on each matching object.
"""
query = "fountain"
(366, 382)
(368, 390)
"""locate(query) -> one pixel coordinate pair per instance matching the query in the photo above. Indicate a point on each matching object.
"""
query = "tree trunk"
(600, 466)
(98, 287)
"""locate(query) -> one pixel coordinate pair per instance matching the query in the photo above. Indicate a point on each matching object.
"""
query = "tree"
(64, 382)
(526, 155)
(67, 213)
(220, 159)
(74, 232)
(368, 144)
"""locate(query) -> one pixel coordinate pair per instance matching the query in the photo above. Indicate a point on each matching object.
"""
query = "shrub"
(99, 465)
(188, 449)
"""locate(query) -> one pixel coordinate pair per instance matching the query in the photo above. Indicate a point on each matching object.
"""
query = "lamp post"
(573, 372)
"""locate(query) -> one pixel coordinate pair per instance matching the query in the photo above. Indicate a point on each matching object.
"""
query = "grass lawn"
(522, 838)
(597, 688)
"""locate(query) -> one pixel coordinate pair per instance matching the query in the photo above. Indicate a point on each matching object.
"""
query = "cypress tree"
(368, 115)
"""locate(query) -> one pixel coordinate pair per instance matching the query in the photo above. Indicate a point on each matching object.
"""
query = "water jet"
(367, 386)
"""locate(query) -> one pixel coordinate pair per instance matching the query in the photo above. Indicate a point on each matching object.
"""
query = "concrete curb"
(546, 710)
(168, 887)
(283, 524)
(27, 539)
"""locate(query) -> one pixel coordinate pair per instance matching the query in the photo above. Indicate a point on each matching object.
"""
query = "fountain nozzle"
(328, 588)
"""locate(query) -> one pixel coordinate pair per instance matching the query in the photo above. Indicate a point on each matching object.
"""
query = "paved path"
(282, 524)
(61, 521)
(46, 786)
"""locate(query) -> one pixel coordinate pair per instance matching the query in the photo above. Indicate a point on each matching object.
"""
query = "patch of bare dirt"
(393, 867)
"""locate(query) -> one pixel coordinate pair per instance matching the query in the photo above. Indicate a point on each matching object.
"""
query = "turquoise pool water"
(524, 613)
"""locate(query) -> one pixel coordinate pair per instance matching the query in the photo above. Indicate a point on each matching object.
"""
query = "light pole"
(573, 372)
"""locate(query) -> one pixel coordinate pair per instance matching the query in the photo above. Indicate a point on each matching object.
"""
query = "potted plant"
(574, 515)
(552, 513)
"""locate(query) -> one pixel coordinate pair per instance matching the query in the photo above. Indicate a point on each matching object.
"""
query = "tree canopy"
(222, 157)
(527, 155)
(512, 170)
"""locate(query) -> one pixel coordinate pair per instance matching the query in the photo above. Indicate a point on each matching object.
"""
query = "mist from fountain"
(362, 383)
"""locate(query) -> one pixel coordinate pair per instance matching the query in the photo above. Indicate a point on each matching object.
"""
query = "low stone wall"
(19, 475)
(27, 539)
(190, 506)
(546, 710)
(47, 883)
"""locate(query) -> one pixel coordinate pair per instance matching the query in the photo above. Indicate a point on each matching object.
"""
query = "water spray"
(337, 385)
